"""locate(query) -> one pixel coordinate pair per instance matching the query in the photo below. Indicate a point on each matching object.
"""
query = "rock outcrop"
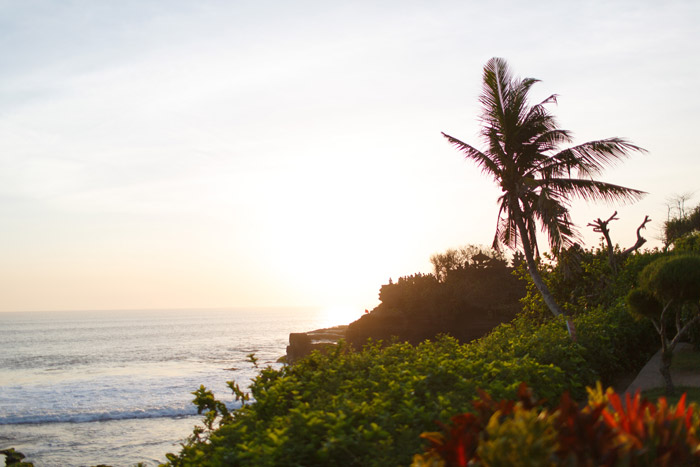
(393, 324)
(302, 344)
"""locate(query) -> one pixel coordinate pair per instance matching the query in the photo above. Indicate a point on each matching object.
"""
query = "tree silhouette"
(668, 287)
(537, 179)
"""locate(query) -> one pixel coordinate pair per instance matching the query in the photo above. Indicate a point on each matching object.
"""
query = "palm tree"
(537, 179)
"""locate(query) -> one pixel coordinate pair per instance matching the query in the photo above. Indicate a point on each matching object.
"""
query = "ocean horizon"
(80, 388)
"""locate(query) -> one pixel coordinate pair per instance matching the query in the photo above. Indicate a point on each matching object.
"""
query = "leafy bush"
(605, 432)
(668, 294)
(526, 435)
(358, 408)
(14, 458)
(689, 243)
(369, 407)
(682, 225)
(613, 341)
(582, 280)
(546, 343)
(609, 342)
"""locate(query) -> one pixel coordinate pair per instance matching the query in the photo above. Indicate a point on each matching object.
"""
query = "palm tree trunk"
(535, 273)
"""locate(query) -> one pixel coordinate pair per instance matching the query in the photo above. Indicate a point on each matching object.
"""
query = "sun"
(338, 315)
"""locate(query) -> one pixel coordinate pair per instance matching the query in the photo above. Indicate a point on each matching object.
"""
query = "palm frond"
(503, 98)
(552, 99)
(497, 78)
(496, 147)
(482, 160)
(590, 190)
(550, 140)
(506, 230)
(594, 156)
(554, 218)
(539, 112)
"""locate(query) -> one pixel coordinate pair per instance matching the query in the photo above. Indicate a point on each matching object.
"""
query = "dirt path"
(650, 377)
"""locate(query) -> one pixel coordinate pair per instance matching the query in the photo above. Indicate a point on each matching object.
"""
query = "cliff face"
(417, 328)
(466, 303)
(391, 325)
(302, 344)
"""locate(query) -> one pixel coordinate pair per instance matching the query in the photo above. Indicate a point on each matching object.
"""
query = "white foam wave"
(86, 417)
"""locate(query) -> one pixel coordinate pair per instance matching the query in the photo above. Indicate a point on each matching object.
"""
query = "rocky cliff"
(302, 344)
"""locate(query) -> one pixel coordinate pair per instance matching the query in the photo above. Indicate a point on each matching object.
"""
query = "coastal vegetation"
(608, 430)
(669, 294)
(681, 223)
(370, 406)
(377, 403)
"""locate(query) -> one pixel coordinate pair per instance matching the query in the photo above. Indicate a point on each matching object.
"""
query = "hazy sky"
(179, 154)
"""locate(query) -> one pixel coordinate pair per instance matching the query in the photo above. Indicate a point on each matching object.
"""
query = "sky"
(180, 154)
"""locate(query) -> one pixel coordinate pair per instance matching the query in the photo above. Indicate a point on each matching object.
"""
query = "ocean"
(88, 388)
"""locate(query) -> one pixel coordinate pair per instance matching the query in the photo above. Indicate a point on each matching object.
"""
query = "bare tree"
(601, 226)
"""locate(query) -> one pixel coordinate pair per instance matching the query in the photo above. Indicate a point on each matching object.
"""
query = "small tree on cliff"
(536, 178)
(667, 287)
(682, 223)
(455, 259)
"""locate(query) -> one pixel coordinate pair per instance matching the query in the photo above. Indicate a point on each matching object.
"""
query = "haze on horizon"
(173, 154)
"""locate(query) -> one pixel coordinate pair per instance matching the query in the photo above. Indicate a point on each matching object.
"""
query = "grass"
(693, 394)
(686, 361)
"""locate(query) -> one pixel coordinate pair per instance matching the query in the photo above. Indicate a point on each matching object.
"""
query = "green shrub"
(668, 295)
(614, 342)
(527, 438)
(609, 342)
(547, 343)
(689, 243)
(368, 407)
(14, 458)
(606, 431)
(582, 280)
(361, 408)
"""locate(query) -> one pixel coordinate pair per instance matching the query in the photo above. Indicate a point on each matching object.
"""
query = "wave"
(87, 417)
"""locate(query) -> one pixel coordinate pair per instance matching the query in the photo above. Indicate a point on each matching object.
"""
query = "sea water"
(88, 388)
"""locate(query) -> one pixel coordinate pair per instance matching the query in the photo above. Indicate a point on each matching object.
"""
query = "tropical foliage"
(538, 179)
(14, 458)
(357, 408)
(583, 279)
(681, 224)
(669, 295)
(609, 431)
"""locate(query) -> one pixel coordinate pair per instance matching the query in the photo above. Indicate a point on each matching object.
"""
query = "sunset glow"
(215, 154)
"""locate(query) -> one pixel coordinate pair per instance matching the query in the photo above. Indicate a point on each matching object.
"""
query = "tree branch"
(662, 326)
(685, 328)
(640, 240)
(601, 226)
